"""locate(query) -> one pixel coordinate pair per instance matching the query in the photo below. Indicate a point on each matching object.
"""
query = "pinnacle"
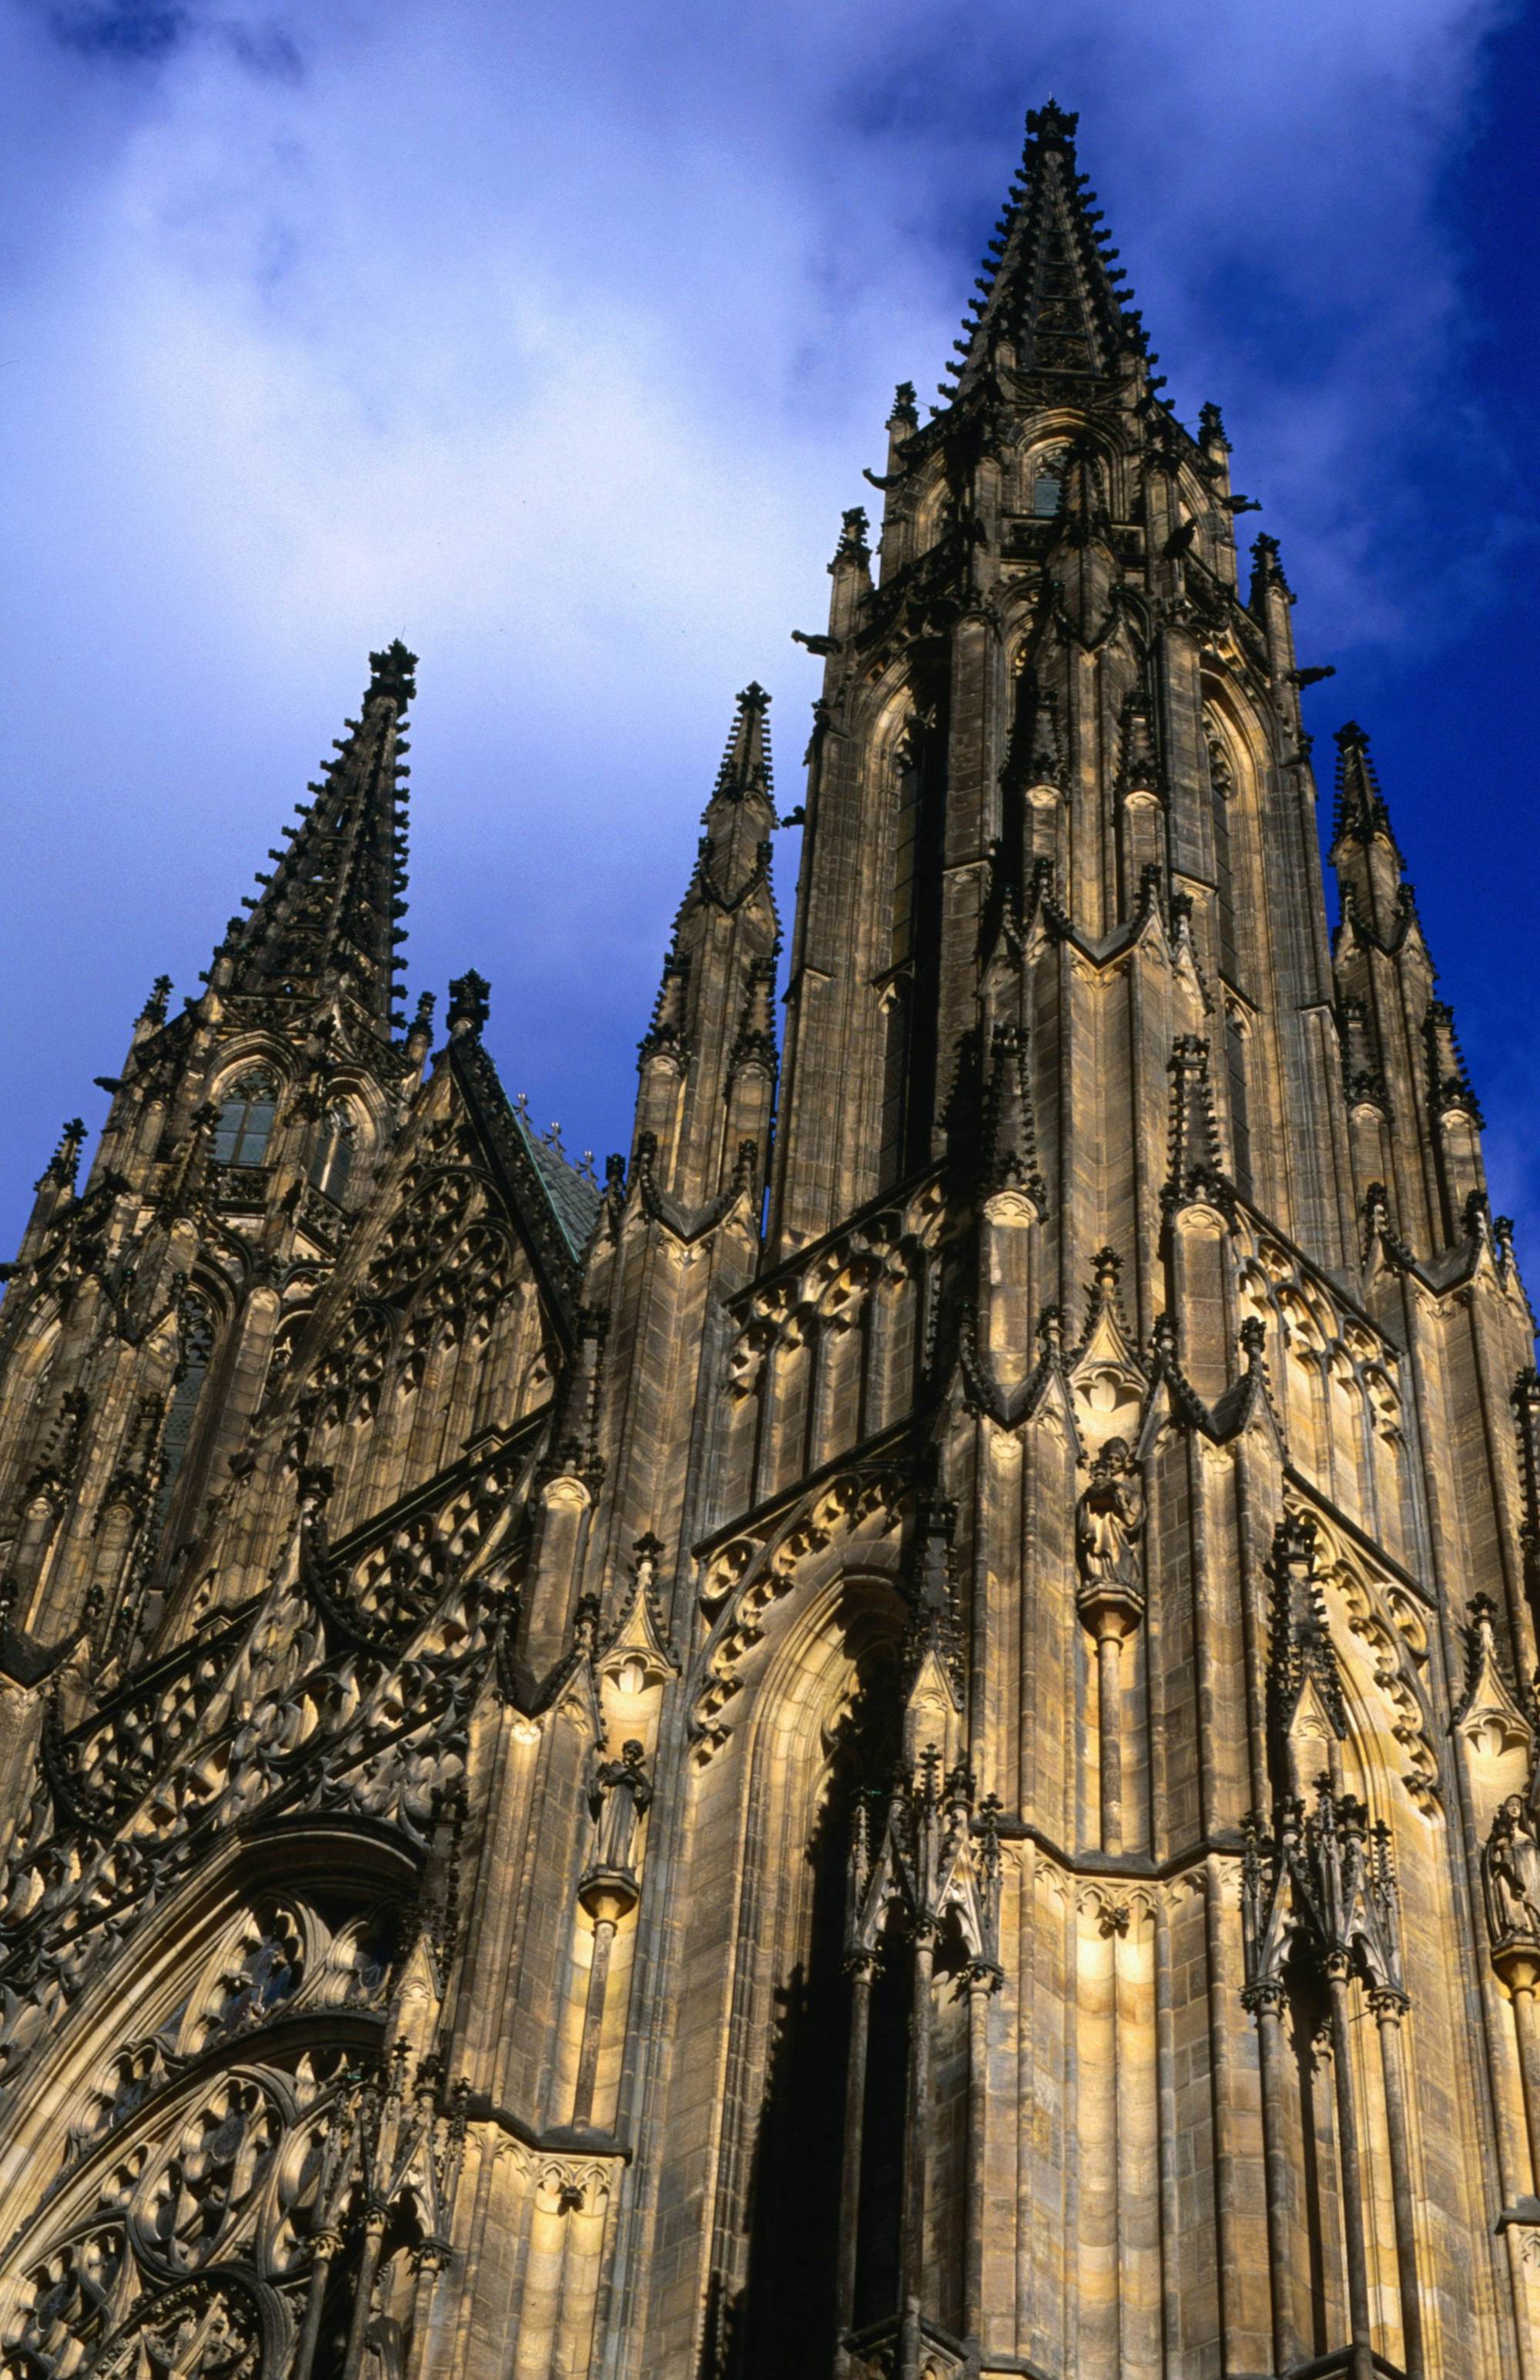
(852, 547)
(62, 1166)
(745, 763)
(326, 915)
(904, 415)
(470, 1006)
(1361, 808)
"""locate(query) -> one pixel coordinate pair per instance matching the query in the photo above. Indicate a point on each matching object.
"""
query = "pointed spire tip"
(745, 763)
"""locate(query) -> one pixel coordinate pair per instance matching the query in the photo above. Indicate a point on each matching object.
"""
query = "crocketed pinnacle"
(326, 918)
(1361, 813)
(1049, 286)
(745, 764)
(735, 847)
(733, 863)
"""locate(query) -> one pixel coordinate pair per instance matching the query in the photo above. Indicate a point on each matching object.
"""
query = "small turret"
(851, 572)
(1271, 606)
(708, 1059)
(1413, 1111)
(54, 1188)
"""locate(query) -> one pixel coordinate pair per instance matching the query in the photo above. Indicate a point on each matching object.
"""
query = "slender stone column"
(369, 2266)
(427, 2262)
(1389, 2008)
(1111, 1613)
(1269, 2000)
(1349, 2166)
(1518, 1966)
(863, 1968)
(593, 2021)
(325, 2248)
(981, 1983)
(914, 2179)
(1109, 1682)
(606, 1894)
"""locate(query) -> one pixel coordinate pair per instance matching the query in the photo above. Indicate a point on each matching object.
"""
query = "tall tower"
(901, 1742)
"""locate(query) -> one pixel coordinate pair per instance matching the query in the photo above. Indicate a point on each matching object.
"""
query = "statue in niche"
(1109, 1521)
(617, 1800)
(1511, 1872)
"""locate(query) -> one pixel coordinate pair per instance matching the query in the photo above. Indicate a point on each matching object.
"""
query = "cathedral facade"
(899, 1741)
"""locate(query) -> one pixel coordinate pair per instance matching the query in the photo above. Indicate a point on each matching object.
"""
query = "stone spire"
(1049, 298)
(326, 917)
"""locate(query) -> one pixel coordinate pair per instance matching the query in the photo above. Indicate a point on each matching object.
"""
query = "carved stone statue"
(1109, 1521)
(1511, 1871)
(617, 1800)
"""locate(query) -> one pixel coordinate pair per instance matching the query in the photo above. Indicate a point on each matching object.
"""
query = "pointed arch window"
(246, 1114)
(1240, 1102)
(1048, 482)
(336, 1145)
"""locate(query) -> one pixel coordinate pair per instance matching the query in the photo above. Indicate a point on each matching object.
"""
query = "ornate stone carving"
(1109, 1525)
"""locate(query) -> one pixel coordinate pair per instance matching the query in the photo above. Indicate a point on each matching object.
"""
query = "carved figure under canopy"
(1511, 1871)
(617, 1800)
(1109, 1520)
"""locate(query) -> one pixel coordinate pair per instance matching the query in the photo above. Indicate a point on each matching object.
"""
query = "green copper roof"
(574, 1195)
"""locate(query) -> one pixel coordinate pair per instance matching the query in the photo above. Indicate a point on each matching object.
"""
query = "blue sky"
(554, 340)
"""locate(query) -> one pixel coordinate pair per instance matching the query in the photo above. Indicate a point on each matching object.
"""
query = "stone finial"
(63, 1166)
(392, 674)
(470, 1006)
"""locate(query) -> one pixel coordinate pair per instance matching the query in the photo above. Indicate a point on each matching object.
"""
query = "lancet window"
(1240, 1108)
(196, 1334)
(1221, 794)
(245, 1116)
(1048, 482)
(335, 1147)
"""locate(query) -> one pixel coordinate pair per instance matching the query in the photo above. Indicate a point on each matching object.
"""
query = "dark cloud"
(143, 33)
(263, 49)
(124, 29)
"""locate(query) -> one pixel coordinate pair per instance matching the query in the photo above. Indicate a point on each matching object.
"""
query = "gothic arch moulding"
(851, 1527)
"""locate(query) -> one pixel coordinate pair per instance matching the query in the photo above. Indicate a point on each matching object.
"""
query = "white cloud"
(554, 341)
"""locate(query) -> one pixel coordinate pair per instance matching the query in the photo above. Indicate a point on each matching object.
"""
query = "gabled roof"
(555, 1206)
(574, 1197)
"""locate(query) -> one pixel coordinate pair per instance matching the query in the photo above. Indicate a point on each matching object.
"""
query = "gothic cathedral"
(898, 1742)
